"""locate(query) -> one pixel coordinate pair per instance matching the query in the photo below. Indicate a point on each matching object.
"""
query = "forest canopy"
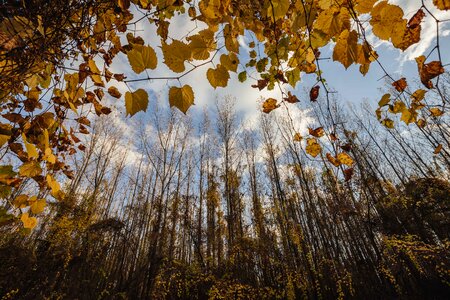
(205, 198)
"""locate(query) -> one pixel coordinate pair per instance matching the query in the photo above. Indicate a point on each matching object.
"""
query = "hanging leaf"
(400, 85)
(428, 71)
(136, 102)
(318, 132)
(314, 93)
(269, 105)
(218, 77)
(175, 55)
(313, 148)
(345, 159)
(182, 98)
(142, 58)
(442, 4)
(28, 222)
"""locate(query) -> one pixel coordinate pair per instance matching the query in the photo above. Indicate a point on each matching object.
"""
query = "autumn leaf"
(114, 92)
(346, 49)
(142, 58)
(314, 93)
(95, 73)
(333, 160)
(297, 137)
(218, 77)
(442, 4)
(348, 174)
(400, 85)
(384, 100)
(28, 222)
(428, 71)
(269, 105)
(175, 55)
(436, 112)
(136, 102)
(418, 95)
(437, 149)
(31, 149)
(30, 169)
(385, 19)
(37, 205)
(345, 159)
(182, 98)
(313, 148)
(318, 132)
(291, 98)
(277, 9)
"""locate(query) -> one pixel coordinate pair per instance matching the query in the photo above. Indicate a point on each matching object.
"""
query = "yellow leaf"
(142, 58)
(199, 48)
(269, 105)
(345, 159)
(48, 156)
(95, 73)
(277, 9)
(346, 49)
(297, 137)
(53, 185)
(230, 61)
(182, 98)
(364, 6)
(21, 201)
(28, 222)
(218, 77)
(386, 18)
(408, 116)
(313, 148)
(436, 112)
(37, 206)
(175, 55)
(442, 4)
(31, 149)
(418, 95)
(384, 100)
(333, 21)
(30, 169)
(136, 102)
(388, 123)
(4, 139)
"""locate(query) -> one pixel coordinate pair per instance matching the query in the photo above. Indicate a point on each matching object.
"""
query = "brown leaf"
(269, 105)
(262, 83)
(428, 71)
(416, 19)
(314, 93)
(400, 85)
(438, 149)
(318, 132)
(348, 174)
(291, 98)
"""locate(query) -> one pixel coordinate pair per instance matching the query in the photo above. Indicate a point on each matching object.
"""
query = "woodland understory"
(217, 210)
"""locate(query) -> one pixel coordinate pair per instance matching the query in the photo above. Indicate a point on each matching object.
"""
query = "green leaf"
(136, 102)
(182, 98)
(242, 76)
(142, 58)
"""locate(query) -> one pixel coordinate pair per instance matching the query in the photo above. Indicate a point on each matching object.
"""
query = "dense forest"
(114, 186)
(237, 210)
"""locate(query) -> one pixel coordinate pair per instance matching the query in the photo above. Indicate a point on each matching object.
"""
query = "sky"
(350, 85)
